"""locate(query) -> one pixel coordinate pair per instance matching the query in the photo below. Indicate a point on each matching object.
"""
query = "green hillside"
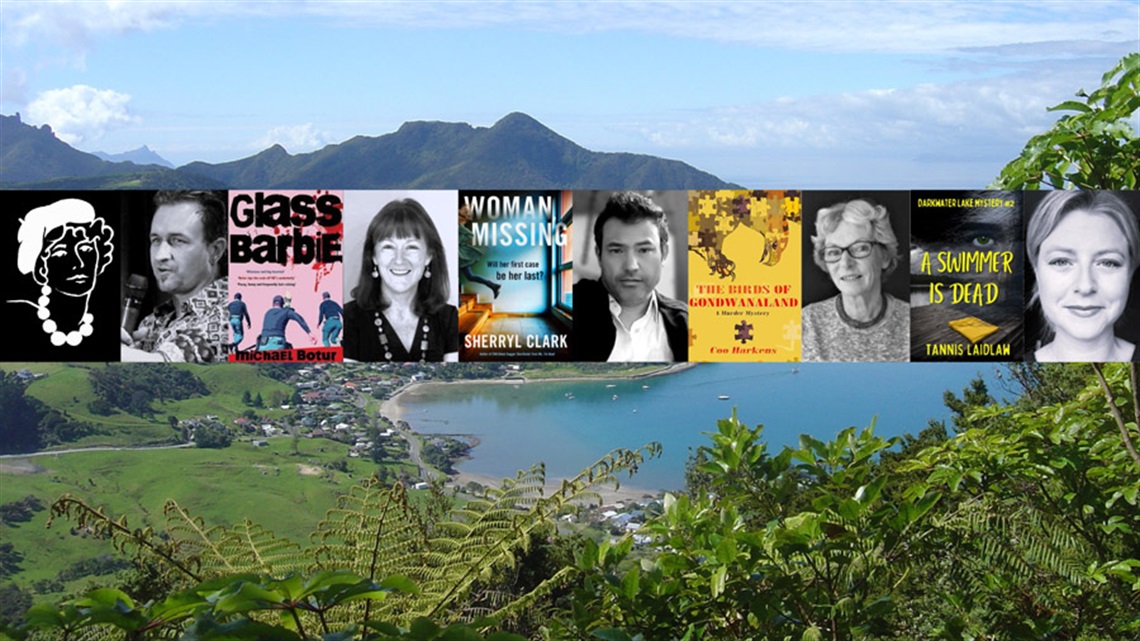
(67, 388)
(269, 485)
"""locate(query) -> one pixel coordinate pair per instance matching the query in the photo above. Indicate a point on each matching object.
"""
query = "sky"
(887, 95)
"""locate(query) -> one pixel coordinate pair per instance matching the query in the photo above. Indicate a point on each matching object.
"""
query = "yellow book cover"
(744, 276)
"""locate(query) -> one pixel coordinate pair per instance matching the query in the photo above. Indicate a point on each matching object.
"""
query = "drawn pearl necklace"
(58, 338)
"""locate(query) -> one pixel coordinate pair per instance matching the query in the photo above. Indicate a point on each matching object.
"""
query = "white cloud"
(75, 26)
(882, 27)
(295, 138)
(928, 118)
(80, 113)
(955, 136)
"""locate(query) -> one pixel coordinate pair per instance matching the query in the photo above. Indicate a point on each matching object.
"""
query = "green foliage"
(1023, 525)
(14, 603)
(212, 436)
(10, 560)
(1042, 537)
(279, 371)
(1039, 384)
(20, 511)
(27, 424)
(375, 533)
(132, 387)
(94, 566)
(1095, 147)
(248, 606)
(796, 545)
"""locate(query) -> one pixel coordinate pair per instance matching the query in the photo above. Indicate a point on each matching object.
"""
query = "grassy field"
(269, 485)
(286, 493)
(67, 388)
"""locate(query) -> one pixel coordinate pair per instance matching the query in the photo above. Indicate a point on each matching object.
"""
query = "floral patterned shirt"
(196, 332)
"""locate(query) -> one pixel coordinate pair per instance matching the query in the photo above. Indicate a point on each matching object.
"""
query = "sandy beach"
(392, 409)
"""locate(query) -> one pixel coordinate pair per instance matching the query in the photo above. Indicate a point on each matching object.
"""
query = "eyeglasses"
(860, 249)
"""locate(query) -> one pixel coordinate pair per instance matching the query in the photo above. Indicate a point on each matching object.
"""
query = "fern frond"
(460, 557)
(244, 548)
(1019, 545)
(510, 610)
(141, 544)
(373, 532)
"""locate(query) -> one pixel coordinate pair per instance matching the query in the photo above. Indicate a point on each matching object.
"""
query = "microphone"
(136, 291)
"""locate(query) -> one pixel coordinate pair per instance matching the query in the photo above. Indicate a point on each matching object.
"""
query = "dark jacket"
(594, 331)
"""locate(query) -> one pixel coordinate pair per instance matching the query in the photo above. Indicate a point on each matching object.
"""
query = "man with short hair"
(622, 317)
(187, 253)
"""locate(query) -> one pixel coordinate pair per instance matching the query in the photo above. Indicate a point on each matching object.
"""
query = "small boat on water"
(610, 385)
(723, 397)
(644, 387)
(614, 398)
(795, 370)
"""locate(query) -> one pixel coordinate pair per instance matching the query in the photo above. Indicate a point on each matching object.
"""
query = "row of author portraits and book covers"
(644, 276)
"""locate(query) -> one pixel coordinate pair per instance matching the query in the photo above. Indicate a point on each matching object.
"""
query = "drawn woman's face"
(1083, 275)
(72, 264)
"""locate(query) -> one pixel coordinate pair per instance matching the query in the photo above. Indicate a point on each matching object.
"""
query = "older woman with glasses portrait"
(855, 245)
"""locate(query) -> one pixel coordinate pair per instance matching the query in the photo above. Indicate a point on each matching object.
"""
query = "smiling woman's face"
(855, 276)
(72, 264)
(401, 263)
(1083, 275)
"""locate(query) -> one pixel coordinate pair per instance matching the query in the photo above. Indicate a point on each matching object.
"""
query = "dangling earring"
(427, 273)
(375, 271)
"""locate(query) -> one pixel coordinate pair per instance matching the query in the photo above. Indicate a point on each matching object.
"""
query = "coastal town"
(354, 412)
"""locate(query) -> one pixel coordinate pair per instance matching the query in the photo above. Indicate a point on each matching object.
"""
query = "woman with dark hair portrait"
(65, 248)
(1084, 248)
(856, 246)
(400, 310)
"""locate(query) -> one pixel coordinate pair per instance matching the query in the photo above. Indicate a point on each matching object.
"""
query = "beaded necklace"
(423, 329)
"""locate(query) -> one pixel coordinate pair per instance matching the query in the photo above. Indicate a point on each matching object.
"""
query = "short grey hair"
(856, 212)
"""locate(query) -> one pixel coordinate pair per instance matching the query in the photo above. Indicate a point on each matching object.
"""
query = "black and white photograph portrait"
(1083, 300)
(855, 278)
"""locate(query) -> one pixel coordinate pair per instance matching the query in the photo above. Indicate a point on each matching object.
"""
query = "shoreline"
(392, 409)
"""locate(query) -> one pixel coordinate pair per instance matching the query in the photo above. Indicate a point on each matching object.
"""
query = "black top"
(594, 332)
(362, 336)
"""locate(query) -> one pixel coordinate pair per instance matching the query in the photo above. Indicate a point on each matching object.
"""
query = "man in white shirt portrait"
(621, 317)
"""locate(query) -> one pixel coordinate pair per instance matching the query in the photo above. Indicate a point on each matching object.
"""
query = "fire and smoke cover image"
(286, 275)
(744, 276)
(966, 267)
(514, 275)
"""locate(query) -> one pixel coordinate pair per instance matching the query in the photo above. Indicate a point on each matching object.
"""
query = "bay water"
(569, 425)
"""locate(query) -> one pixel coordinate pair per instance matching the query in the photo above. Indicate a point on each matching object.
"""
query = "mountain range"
(517, 152)
(142, 156)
